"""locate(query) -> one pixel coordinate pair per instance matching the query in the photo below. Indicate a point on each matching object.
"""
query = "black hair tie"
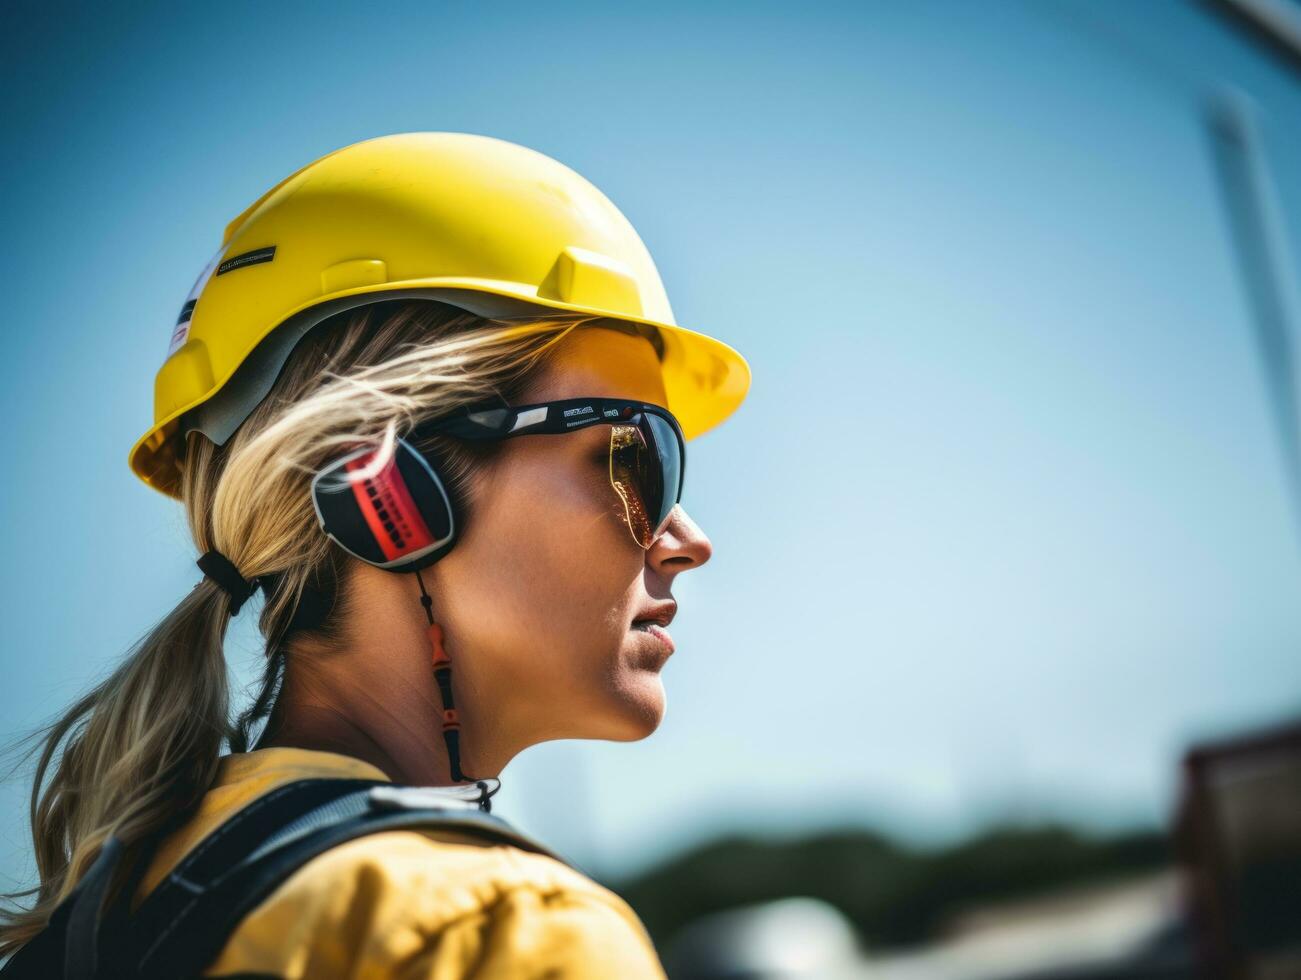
(222, 570)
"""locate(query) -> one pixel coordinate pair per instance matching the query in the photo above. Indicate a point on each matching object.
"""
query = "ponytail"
(138, 749)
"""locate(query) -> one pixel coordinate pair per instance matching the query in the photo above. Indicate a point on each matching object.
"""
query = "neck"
(372, 709)
(376, 698)
(411, 754)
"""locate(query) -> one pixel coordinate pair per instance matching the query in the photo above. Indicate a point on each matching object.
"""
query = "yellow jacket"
(415, 905)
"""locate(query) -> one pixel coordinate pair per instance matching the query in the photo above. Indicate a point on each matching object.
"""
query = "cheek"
(547, 573)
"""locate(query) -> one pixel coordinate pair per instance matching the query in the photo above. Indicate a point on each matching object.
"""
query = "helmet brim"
(705, 380)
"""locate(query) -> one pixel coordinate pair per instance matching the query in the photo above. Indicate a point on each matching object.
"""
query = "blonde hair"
(142, 747)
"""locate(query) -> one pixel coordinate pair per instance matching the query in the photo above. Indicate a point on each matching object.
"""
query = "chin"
(640, 710)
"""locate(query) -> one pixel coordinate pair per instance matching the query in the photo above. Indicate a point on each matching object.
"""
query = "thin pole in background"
(1264, 260)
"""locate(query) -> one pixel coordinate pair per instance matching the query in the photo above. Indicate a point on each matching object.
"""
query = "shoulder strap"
(184, 923)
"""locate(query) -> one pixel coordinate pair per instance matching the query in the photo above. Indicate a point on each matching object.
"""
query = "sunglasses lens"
(646, 471)
(668, 451)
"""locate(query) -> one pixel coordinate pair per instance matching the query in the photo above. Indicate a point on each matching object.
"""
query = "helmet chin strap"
(451, 721)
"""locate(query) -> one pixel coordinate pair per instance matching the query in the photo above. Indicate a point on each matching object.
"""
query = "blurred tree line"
(895, 895)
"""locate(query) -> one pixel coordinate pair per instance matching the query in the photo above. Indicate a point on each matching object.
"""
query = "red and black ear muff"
(398, 516)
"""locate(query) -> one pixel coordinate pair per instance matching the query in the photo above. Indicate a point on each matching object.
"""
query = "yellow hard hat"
(476, 222)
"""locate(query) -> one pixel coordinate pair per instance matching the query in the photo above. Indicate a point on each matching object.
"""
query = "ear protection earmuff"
(400, 517)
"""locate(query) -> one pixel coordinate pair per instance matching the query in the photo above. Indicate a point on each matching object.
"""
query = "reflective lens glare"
(646, 472)
(628, 460)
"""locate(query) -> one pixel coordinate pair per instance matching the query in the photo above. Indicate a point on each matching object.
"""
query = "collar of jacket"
(241, 778)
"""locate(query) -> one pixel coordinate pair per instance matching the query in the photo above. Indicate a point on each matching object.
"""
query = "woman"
(429, 398)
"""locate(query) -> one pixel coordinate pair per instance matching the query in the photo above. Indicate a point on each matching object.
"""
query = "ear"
(399, 518)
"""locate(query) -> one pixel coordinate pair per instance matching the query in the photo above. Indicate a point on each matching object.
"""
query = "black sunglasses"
(647, 450)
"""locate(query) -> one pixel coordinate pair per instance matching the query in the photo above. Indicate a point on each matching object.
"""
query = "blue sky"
(1004, 523)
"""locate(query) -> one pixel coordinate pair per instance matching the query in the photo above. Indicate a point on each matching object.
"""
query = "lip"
(660, 633)
(660, 614)
(655, 622)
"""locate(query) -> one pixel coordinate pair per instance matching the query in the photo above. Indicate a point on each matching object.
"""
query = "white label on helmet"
(182, 329)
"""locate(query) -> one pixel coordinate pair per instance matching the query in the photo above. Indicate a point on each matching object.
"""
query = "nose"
(683, 545)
